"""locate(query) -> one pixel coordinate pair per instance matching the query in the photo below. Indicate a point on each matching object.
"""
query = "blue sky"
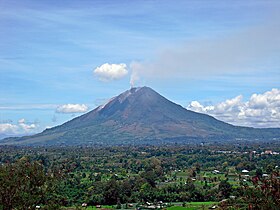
(203, 51)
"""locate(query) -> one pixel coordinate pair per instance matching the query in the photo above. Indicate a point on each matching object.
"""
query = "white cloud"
(21, 128)
(21, 121)
(7, 128)
(261, 110)
(26, 127)
(72, 108)
(109, 72)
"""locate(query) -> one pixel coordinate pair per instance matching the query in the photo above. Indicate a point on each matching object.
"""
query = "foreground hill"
(141, 115)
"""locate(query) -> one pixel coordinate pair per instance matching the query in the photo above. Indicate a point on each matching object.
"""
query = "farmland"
(170, 176)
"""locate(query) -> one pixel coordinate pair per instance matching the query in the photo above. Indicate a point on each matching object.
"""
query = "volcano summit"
(141, 116)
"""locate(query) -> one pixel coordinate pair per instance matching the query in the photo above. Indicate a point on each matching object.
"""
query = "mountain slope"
(141, 115)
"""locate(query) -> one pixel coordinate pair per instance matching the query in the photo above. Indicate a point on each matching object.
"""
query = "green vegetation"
(193, 206)
(25, 184)
(169, 176)
(180, 208)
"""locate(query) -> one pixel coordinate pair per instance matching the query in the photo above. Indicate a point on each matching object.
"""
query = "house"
(268, 152)
(216, 171)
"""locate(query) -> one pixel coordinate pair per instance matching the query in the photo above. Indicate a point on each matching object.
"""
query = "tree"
(111, 194)
(197, 168)
(23, 185)
(225, 189)
(119, 205)
(269, 168)
(150, 177)
(259, 173)
(265, 193)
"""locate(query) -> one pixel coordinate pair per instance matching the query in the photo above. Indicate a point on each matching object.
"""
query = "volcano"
(142, 116)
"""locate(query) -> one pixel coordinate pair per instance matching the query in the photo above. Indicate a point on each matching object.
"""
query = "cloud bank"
(109, 72)
(72, 108)
(21, 128)
(261, 110)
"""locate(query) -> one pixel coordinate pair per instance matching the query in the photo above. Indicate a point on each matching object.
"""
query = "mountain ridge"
(141, 115)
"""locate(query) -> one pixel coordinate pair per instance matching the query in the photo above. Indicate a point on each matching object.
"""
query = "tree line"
(52, 177)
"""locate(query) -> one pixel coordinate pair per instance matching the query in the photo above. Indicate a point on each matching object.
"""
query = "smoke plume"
(249, 50)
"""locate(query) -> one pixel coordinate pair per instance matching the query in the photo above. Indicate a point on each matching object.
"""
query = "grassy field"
(89, 208)
(180, 208)
(193, 206)
(103, 207)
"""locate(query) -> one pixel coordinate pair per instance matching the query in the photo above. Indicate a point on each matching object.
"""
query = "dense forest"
(235, 176)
